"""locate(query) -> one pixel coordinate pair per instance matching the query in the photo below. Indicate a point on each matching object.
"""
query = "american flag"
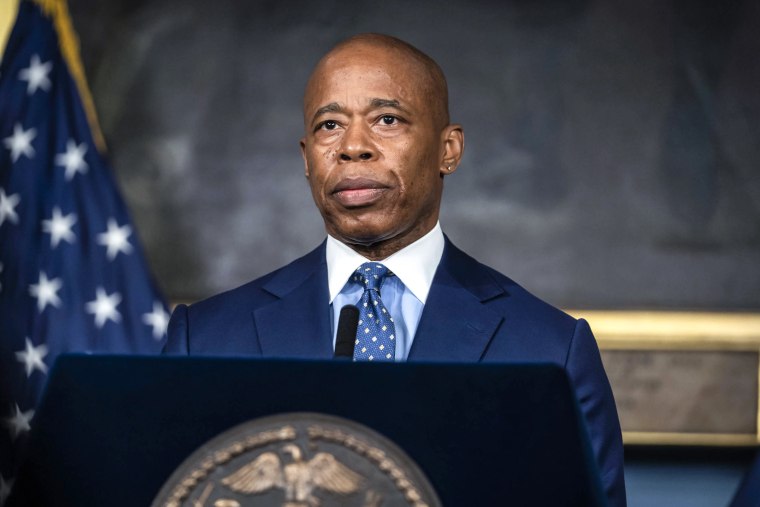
(72, 274)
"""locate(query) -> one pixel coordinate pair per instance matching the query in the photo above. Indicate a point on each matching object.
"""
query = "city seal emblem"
(298, 460)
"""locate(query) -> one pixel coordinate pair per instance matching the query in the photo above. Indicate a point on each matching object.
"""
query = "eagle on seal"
(298, 479)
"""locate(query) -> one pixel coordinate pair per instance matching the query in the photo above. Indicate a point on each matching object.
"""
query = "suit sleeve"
(178, 339)
(584, 365)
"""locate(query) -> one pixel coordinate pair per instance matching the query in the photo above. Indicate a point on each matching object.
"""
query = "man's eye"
(389, 120)
(328, 125)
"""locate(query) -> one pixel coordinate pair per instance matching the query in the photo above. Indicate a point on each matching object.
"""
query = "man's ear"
(303, 154)
(453, 148)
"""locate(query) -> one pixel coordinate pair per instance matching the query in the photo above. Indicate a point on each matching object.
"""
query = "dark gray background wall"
(613, 147)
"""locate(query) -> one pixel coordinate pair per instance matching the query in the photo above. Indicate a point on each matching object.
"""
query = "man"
(377, 147)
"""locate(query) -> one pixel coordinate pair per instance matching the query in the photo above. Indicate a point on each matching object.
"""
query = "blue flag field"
(73, 277)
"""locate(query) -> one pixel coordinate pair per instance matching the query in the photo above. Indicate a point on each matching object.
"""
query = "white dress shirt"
(404, 294)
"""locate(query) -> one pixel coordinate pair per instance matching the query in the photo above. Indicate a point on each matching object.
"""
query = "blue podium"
(111, 429)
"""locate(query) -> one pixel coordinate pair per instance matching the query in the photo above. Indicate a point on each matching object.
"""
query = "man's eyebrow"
(332, 107)
(379, 103)
(376, 103)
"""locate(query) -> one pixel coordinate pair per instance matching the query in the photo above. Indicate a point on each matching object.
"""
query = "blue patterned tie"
(375, 336)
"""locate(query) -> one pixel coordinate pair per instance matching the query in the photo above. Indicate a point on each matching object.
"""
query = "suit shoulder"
(262, 290)
(532, 329)
(496, 288)
(528, 301)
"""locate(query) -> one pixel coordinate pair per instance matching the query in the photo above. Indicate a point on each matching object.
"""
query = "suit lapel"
(297, 325)
(455, 324)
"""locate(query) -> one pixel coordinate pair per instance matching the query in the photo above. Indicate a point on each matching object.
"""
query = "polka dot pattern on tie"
(375, 336)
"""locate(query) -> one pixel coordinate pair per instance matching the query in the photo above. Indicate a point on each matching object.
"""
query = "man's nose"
(357, 145)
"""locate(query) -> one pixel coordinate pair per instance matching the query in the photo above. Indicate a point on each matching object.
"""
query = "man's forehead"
(374, 62)
(378, 68)
(373, 76)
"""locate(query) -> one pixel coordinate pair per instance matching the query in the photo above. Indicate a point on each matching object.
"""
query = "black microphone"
(345, 339)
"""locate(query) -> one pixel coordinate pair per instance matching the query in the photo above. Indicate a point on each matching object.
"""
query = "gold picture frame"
(658, 333)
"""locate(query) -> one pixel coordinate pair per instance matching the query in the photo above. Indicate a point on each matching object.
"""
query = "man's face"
(372, 149)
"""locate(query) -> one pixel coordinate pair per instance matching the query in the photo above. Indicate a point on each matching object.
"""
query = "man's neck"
(375, 251)
(383, 249)
(415, 265)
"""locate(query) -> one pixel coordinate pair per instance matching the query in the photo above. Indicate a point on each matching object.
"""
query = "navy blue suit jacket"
(472, 314)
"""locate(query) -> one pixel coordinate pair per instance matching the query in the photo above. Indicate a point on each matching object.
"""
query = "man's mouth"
(356, 192)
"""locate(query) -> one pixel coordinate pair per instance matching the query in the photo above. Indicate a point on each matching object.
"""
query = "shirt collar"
(414, 265)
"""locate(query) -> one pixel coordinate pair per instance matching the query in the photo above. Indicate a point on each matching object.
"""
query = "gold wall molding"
(673, 330)
(684, 377)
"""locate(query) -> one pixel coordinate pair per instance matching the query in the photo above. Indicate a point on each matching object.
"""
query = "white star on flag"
(8, 205)
(104, 307)
(73, 159)
(46, 291)
(59, 227)
(32, 357)
(158, 319)
(115, 239)
(19, 422)
(5, 489)
(36, 75)
(20, 143)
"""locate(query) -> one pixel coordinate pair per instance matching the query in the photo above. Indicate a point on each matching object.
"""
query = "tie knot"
(370, 275)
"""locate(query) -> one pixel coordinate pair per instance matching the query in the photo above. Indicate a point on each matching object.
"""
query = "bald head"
(372, 47)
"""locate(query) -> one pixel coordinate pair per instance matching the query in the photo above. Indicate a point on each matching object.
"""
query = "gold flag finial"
(8, 10)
